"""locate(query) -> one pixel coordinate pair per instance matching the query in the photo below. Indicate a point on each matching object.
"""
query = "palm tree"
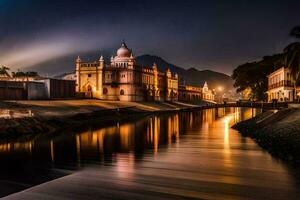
(3, 70)
(292, 56)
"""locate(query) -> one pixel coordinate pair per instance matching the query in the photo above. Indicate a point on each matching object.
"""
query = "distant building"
(68, 76)
(191, 93)
(7, 77)
(123, 80)
(23, 78)
(281, 86)
(207, 93)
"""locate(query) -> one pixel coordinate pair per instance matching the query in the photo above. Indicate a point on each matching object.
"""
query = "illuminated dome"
(123, 51)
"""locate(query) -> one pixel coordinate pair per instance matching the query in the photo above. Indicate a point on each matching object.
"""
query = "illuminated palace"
(124, 80)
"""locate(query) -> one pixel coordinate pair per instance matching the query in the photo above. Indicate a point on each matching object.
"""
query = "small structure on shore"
(37, 89)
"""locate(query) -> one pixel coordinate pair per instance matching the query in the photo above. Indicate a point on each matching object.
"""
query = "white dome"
(123, 51)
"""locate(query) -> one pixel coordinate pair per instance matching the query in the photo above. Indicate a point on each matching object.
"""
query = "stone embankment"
(22, 128)
(277, 131)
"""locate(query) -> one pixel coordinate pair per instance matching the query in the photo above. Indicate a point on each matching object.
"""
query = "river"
(186, 155)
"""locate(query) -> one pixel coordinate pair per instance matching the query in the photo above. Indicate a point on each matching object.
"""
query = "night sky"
(48, 35)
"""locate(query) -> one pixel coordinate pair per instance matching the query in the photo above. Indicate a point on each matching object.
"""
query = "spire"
(101, 58)
(78, 59)
(168, 72)
(124, 44)
(131, 56)
(154, 66)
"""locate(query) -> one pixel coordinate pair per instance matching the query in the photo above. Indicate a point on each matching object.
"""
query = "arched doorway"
(89, 92)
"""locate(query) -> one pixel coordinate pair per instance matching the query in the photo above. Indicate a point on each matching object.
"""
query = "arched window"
(122, 92)
(105, 91)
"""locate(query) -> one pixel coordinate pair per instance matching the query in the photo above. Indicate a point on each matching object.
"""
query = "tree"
(292, 56)
(3, 70)
(27, 74)
(253, 75)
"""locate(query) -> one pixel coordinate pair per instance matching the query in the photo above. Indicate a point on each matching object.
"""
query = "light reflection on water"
(200, 141)
(135, 136)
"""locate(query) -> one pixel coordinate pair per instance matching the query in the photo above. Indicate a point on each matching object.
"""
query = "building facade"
(123, 80)
(207, 93)
(189, 93)
(281, 86)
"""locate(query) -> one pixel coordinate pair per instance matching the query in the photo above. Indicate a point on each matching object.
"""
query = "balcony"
(283, 83)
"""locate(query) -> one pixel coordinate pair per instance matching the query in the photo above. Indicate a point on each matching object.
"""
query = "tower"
(78, 84)
(131, 61)
(100, 76)
(205, 87)
(168, 84)
(155, 82)
(112, 60)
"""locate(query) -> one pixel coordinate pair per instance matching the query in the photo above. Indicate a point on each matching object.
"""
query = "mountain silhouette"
(191, 76)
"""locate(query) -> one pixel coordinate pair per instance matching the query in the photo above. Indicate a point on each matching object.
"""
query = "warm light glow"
(156, 134)
(173, 128)
(226, 120)
(52, 150)
(78, 148)
(125, 165)
(125, 131)
(227, 152)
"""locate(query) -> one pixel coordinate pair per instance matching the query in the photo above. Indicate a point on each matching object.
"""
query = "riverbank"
(53, 116)
(277, 131)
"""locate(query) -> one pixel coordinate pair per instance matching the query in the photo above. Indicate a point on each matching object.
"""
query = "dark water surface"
(183, 155)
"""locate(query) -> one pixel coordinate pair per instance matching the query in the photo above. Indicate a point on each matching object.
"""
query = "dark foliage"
(254, 75)
(3, 70)
(292, 54)
(27, 74)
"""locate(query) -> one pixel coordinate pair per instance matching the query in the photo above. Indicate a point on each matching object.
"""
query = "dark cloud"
(219, 35)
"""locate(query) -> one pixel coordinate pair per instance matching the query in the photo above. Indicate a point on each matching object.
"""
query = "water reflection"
(151, 132)
(203, 142)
